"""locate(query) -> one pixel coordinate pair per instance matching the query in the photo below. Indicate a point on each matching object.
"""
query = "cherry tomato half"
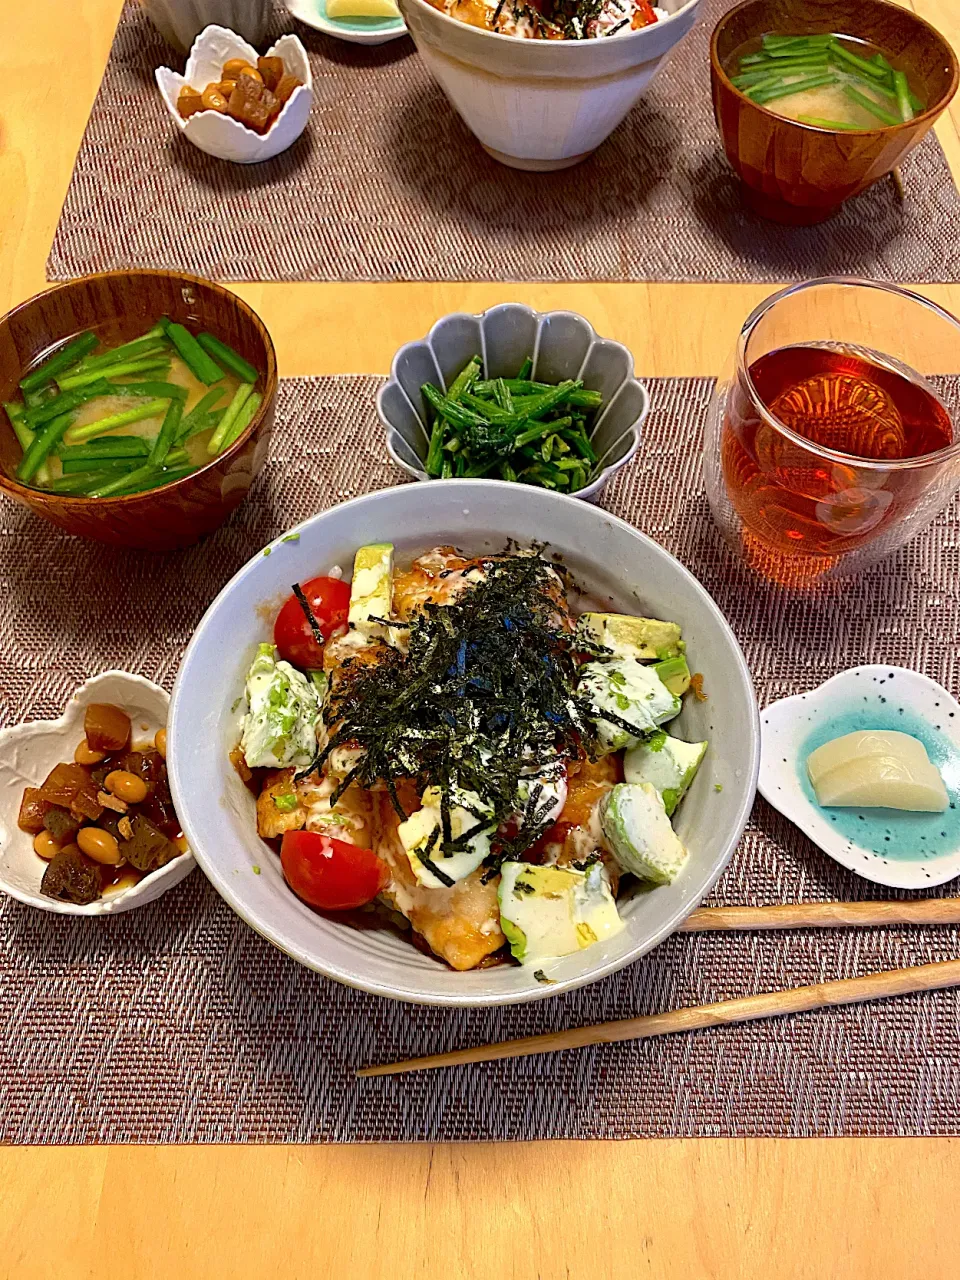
(330, 874)
(329, 601)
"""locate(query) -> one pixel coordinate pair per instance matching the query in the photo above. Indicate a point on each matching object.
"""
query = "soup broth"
(148, 428)
(834, 82)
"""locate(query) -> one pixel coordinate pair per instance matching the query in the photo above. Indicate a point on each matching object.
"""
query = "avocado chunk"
(371, 590)
(280, 729)
(675, 674)
(633, 693)
(549, 912)
(668, 764)
(639, 833)
(645, 639)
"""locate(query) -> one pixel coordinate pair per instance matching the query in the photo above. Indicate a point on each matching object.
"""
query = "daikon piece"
(876, 769)
(362, 9)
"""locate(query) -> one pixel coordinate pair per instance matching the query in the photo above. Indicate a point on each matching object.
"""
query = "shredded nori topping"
(484, 700)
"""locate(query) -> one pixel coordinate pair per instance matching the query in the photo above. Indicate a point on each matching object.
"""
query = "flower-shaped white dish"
(27, 754)
(313, 13)
(561, 344)
(221, 135)
(888, 846)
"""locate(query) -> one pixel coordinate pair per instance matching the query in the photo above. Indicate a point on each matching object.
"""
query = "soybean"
(126, 786)
(99, 845)
(46, 845)
(85, 754)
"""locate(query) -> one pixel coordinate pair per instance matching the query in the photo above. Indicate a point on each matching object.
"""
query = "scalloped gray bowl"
(562, 345)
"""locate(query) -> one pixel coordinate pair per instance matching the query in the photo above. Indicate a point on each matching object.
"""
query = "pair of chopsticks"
(771, 1004)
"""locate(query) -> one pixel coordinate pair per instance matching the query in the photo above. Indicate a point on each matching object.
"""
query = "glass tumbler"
(830, 497)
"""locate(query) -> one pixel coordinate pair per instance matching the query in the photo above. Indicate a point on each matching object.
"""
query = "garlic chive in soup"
(554, 19)
(831, 81)
(101, 418)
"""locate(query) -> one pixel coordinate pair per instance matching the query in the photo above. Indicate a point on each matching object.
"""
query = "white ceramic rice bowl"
(542, 104)
(220, 135)
(615, 563)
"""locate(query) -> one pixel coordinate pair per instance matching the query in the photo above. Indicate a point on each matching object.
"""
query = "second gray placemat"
(177, 1023)
(388, 184)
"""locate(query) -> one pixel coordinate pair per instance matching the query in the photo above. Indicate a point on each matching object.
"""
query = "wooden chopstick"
(824, 915)
(772, 1004)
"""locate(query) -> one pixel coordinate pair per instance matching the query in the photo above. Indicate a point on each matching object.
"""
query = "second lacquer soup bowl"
(542, 104)
(616, 565)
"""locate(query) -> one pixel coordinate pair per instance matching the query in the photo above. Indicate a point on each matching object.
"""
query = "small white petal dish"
(562, 345)
(220, 135)
(313, 13)
(888, 846)
(27, 754)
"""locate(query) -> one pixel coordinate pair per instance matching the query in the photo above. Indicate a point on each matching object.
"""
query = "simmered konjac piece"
(106, 818)
(254, 95)
(102, 421)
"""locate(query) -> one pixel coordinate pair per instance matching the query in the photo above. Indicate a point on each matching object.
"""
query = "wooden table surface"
(666, 1209)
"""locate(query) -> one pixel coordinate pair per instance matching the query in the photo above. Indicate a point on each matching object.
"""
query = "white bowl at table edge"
(217, 811)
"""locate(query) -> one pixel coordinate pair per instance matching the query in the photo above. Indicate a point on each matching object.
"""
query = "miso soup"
(101, 418)
(833, 81)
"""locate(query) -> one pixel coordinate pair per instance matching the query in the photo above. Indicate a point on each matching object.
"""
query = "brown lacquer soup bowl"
(800, 173)
(120, 306)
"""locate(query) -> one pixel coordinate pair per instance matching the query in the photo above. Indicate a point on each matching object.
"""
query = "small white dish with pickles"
(868, 766)
(30, 753)
(356, 21)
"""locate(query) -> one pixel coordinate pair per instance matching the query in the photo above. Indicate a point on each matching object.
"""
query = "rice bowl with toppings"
(566, 77)
(554, 19)
(620, 571)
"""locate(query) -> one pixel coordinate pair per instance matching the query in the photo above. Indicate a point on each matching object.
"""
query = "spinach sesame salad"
(512, 429)
(453, 747)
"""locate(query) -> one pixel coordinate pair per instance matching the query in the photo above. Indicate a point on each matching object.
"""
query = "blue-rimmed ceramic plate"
(313, 13)
(888, 846)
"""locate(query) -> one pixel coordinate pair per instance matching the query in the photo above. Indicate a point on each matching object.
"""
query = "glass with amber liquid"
(827, 448)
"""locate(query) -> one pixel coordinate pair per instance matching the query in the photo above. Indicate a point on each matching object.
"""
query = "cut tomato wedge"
(331, 874)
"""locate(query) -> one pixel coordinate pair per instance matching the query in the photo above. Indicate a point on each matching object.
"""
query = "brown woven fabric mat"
(177, 1023)
(388, 184)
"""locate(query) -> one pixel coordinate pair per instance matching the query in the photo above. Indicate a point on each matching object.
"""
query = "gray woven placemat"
(388, 184)
(177, 1023)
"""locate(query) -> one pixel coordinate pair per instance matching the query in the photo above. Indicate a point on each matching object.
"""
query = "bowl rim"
(930, 114)
(270, 379)
(609, 470)
(630, 37)
(225, 886)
